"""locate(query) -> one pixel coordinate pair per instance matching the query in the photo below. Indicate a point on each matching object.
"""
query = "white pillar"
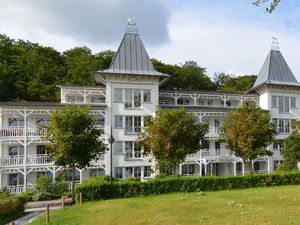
(25, 149)
(80, 176)
(234, 168)
(205, 168)
(53, 174)
(180, 169)
(269, 165)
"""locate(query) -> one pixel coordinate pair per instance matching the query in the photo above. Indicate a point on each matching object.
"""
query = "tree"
(231, 83)
(170, 136)
(73, 139)
(105, 58)
(272, 6)
(291, 149)
(248, 132)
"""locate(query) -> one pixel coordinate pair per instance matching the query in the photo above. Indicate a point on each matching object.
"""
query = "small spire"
(275, 44)
(131, 26)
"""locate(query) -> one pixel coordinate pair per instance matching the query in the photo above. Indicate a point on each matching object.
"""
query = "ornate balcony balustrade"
(18, 189)
(30, 160)
(17, 132)
(206, 153)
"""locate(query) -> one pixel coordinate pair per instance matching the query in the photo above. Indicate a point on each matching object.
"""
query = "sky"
(231, 36)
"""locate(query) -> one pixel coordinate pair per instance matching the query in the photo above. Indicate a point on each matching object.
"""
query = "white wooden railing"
(207, 153)
(7, 132)
(18, 189)
(30, 160)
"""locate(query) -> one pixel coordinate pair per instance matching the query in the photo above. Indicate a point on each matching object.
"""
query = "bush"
(46, 190)
(98, 188)
(10, 204)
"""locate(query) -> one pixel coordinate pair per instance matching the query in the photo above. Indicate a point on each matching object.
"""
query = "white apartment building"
(121, 98)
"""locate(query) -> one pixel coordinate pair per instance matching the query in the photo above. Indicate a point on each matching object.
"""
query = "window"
(217, 146)
(283, 125)
(97, 172)
(188, 169)
(128, 172)
(99, 122)
(133, 124)
(147, 171)
(137, 151)
(284, 104)
(15, 179)
(137, 172)
(217, 126)
(128, 149)
(137, 98)
(42, 122)
(68, 175)
(205, 144)
(97, 99)
(118, 172)
(118, 95)
(41, 150)
(118, 121)
(256, 166)
(75, 98)
(16, 151)
(16, 122)
(147, 95)
(128, 98)
(118, 148)
(278, 144)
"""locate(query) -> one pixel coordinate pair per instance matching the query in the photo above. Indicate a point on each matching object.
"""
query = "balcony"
(31, 160)
(213, 133)
(213, 154)
(18, 132)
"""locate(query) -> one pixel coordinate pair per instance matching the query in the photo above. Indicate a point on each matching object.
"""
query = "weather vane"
(275, 44)
(131, 21)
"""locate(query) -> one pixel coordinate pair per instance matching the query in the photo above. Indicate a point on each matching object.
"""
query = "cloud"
(89, 21)
(228, 38)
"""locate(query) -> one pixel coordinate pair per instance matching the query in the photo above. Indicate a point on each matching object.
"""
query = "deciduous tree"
(170, 136)
(73, 139)
(248, 132)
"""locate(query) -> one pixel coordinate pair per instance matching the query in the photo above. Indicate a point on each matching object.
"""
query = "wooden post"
(12, 223)
(62, 202)
(47, 213)
(80, 198)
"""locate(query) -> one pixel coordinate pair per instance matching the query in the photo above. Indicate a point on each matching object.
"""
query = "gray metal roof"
(275, 70)
(132, 57)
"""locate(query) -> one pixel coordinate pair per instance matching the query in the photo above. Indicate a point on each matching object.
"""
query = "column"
(205, 168)
(180, 169)
(234, 168)
(269, 165)
(25, 149)
(200, 169)
(80, 176)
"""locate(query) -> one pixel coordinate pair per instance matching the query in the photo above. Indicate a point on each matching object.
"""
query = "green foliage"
(272, 4)
(73, 139)
(230, 83)
(170, 136)
(105, 190)
(291, 149)
(189, 76)
(9, 204)
(248, 132)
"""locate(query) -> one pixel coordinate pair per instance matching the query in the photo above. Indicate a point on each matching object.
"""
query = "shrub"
(10, 204)
(99, 188)
(46, 190)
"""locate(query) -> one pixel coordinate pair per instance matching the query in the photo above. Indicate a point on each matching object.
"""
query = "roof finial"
(275, 44)
(131, 26)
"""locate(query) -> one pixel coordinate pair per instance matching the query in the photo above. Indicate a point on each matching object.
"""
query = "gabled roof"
(275, 70)
(132, 57)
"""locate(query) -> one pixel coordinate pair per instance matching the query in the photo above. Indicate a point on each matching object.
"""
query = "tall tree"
(248, 132)
(73, 139)
(272, 4)
(231, 83)
(79, 63)
(291, 149)
(105, 58)
(170, 136)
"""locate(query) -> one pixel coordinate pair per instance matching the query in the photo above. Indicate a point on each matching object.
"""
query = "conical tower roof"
(132, 57)
(275, 70)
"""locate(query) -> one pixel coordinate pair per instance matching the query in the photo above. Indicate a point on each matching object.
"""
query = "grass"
(272, 205)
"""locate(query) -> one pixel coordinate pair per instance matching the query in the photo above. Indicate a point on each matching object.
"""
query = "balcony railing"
(30, 160)
(206, 153)
(18, 189)
(13, 132)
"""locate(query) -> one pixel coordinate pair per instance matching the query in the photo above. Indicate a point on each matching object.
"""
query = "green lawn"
(273, 205)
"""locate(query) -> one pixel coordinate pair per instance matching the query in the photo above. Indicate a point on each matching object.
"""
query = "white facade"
(122, 97)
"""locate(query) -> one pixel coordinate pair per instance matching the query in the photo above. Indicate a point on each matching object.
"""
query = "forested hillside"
(31, 72)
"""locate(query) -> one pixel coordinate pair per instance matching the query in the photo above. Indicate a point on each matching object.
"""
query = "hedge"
(99, 188)
(10, 204)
